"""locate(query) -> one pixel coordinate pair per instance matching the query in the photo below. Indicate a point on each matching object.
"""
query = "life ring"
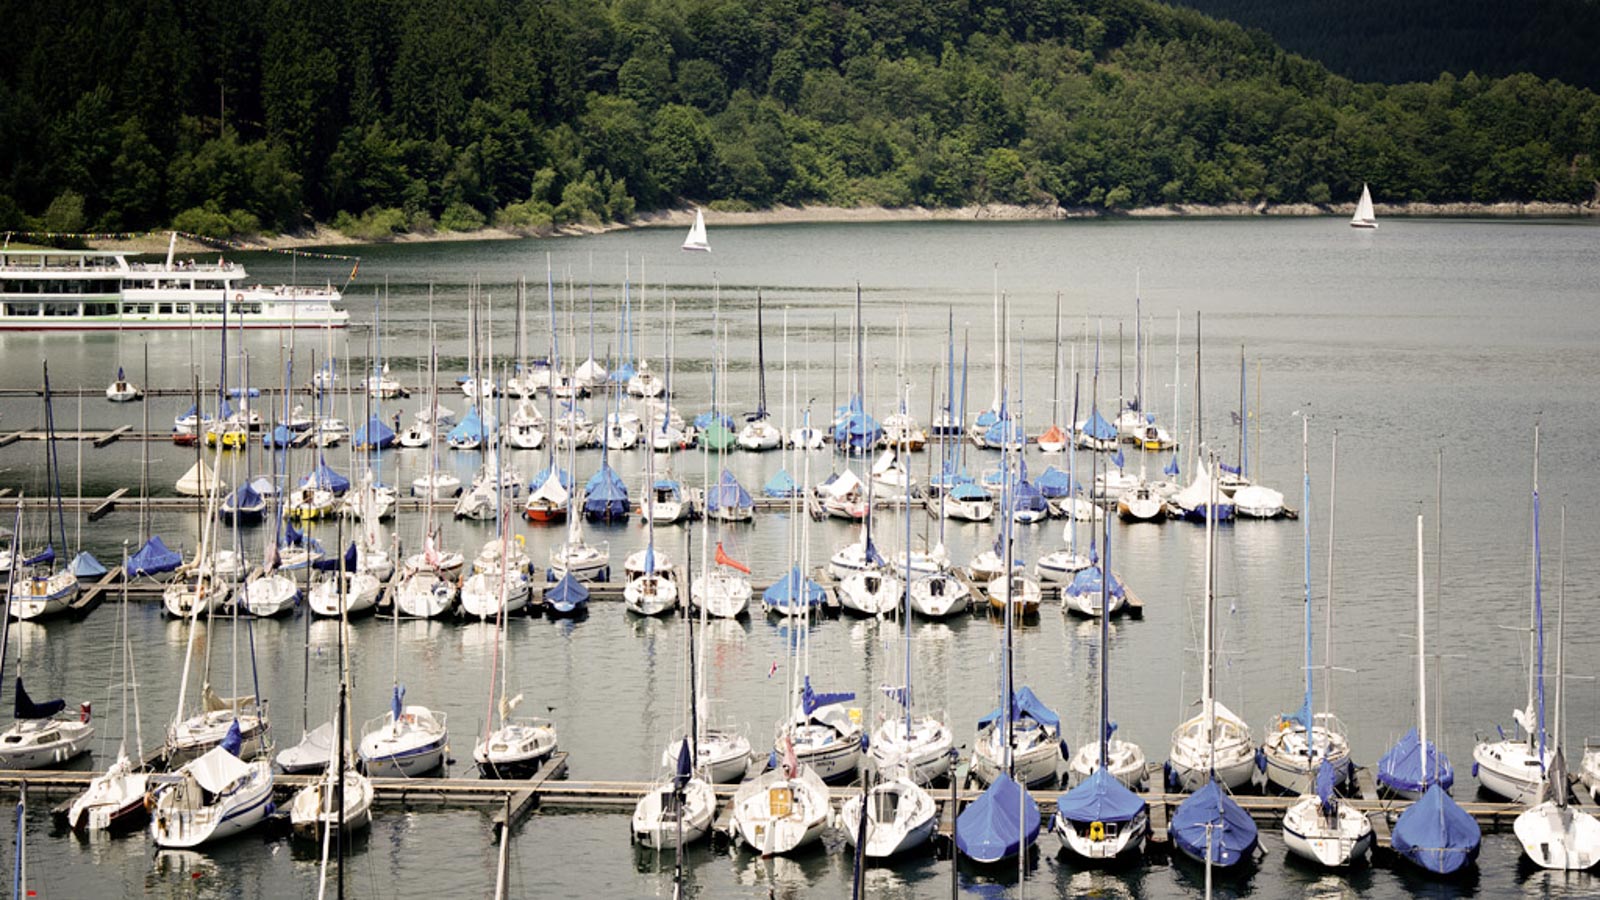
(238, 298)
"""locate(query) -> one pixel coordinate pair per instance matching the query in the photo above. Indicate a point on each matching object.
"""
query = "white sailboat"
(1214, 743)
(1552, 833)
(1364, 217)
(210, 798)
(342, 799)
(696, 240)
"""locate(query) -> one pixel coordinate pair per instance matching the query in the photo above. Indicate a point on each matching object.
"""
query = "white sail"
(1363, 217)
(697, 234)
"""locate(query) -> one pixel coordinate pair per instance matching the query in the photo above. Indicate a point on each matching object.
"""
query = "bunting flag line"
(221, 243)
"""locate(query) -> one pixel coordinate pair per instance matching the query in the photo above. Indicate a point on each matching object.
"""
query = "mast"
(1105, 642)
(1327, 638)
(1422, 667)
(1305, 519)
(1536, 677)
(1055, 390)
(761, 363)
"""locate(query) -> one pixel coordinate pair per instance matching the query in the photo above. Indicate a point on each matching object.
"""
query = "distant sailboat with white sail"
(1362, 219)
(697, 233)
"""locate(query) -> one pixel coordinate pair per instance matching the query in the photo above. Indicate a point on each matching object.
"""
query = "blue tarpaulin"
(1028, 498)
(1024, 703)
(605, 496)
(1053, 483)
(332, 563)
(999, 824)
(728, 493)
(704, 421)
(1087, 583)
(1100, 798)
(244, 499)
(1004, 433)
(1436, 833)
(568, 596)
(279, 436)
(374, 435)
(1210, 817)
(154, 558)
(473, 428)
(781, 485)
(1405, 768)
(325, 478)
(966, 491)
(855, 430)
(233, 741)
(786, 591)
(543, 475)
(84, 565)
(1098, 428)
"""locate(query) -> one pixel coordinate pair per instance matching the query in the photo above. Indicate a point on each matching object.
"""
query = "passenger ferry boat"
(89, 290)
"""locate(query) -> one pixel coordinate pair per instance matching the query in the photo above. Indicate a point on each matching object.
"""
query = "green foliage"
(385, 116)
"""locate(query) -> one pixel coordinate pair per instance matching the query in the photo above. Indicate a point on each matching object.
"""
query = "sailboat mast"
(1537, 680)
(1105, 641)
(1422, 667)
(761, 363)
(1055, 395)
(1327, 627)
(1305, 519)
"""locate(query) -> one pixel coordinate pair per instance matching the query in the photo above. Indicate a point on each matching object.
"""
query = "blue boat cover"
(1053, 483)
(243, 497)
(1024, 703)
(236, 393)
(1327, 776)
(703, 421)
(84, 565)
(279, 436)
(966, 490)
(1171, 468)
(154, 558)
(605, 496)
(225, 411)
(471, 428)
(233, 741)
(374, 435)
(1028, 497)
(567, 595)
(664, 484)
(1210, 811)
(1405, 768)
(999, 824)
(623, 373)
(811, 701)
(728, 493)
(855, 430)
(783, 591)
(1436, 833)
(1100, 798)
(1119, 460)
(47, 555)
(781, 485)
(1087, 582)
(1006, 432)
(324, 477)
(332, 563)
(543, 475)
(949, 476)
(986, 418)
(25, 708)
(1098, 428)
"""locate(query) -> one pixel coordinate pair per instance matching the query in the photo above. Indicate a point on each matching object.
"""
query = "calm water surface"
(1426, 336)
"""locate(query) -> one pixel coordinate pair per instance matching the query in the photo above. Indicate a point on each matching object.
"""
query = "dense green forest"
(382, 116)
(1415, 40)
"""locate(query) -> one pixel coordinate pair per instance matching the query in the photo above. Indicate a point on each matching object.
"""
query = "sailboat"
(697, 234)
(1319, 825)
(499, 584)
(1551, 832)
(46, 590)
(520, 745)
(1363, 217)
(1515, 768)
(210, 798)
(1297, 745)
(652, 593)
(867, 587)
(122, 390)
(342, 800)
(406, 741)
(1101, 818)
(1434, 833)
(39, 737)
(759, 433)
(1215, 745)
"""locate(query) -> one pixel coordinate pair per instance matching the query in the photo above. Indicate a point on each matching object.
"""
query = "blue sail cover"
(374, 435)
(787, 591)
(154, 558)
(43, 557)
(1007, 432)
(225, 411)
(704, 421)
(1210, 811)
(1087, 583)
(233, 741)
(948, 476)
(325, 478)
(1098, 428)
(999, 824)
(1053, 483)
(84, 565)
(562, 476)
(605, 496)
(811, 701)
(1437, 834)
(25, 708)
(1327, 777)
(567, 596)
(333, 563)
(1027, 498)
(1024, 704)
(781, 485)
(397, 701)
(727, 493)
(685, 771)
(1100, 798)
(1411, 768)
(244, 497)
(855, 430)
(279, 436)
(472, 427)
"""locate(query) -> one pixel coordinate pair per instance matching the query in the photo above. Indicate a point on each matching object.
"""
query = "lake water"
(1426, 336)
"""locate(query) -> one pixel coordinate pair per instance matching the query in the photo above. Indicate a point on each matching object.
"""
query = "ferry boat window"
(99, 309)
(181, 309)
(164, 308)
(137, 309)
(208, 309)
(21, 309)
(62, 309)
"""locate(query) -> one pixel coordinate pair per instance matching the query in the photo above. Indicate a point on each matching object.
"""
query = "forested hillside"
(391, 115)
(1415, 40)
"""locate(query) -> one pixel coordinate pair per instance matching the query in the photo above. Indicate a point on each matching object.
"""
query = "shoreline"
(324, 235)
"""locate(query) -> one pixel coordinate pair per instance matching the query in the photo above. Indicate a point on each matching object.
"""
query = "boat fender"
(1261, 760)
(865, 741)
(272, 807)
(772, 760)
(1066, 751)
(238, 298)
(1474, 770)
(1170, 777)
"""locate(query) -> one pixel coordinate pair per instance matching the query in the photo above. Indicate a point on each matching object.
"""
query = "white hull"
(659, 822)
(1235, 751)
(181, 818)
(1036, 753)
(1333, 841)
(312, 809)
(1125, 761)
(901, 818)
(725, 595)
(43, 743)
(1127, 839)
(923, 754)
(871, 593)
(774, 814)
(41, 598)
(481, 594)
(724, 756)
(1512, 770)
(650, 595)
(1559, 837)
(360, 595)
(269, 595)
(1290, 769)
(425, 595)
(413, 746)
(938, 596)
